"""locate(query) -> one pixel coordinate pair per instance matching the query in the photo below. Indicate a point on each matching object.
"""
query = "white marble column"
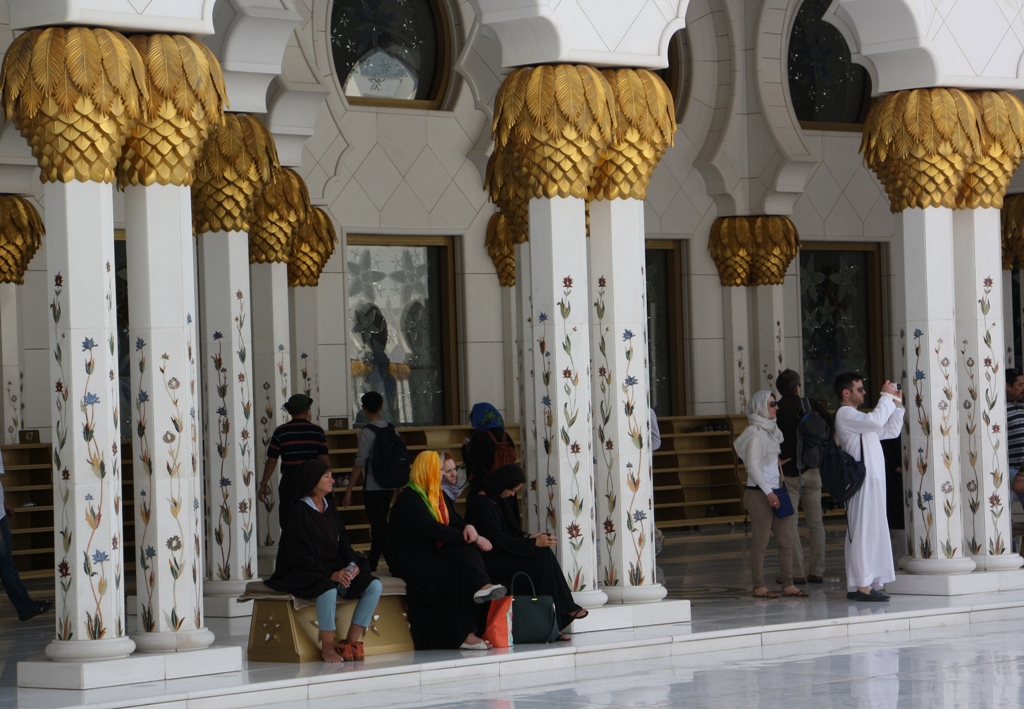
(86, 433)
(740, 369)
(621, 391)
(558, 266)
(1008, 318)
(168, 517)
(529, 443)
(230, 432)
(271, 368)
(932, 397)
(302, 307)
(985, 477)
(12, 376)
(767, 322)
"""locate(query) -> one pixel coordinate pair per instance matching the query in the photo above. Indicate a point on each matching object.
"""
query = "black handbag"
(533, 616)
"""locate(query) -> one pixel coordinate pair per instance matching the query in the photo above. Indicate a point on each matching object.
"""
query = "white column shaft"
(558, 264)
(271, 368)
(932, 400)
(768, 321)
(12, 406)
(165, 437)
(983, 444)
(305, 345)
(741, 368)
(230, 436)
(531, 451)
(621, 390)
(86, 433)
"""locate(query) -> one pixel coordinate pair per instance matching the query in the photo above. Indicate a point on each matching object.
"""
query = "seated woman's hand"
(469, 534)
(345, 576)
(483, 544)
(545, 540)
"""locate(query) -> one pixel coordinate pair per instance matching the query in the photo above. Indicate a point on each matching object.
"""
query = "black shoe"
(815, 579)
(867, 597)
(40, 607)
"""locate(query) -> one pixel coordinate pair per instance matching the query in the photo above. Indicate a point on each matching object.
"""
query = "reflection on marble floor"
(977, 664)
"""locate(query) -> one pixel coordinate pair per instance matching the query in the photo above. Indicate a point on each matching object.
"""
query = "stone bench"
(284, 628)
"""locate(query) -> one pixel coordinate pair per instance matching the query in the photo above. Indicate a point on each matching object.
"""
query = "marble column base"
(619, 616)
(590, 599)
(136, 669)
(89, 650)
(651, 593)
(1001, 562)
(170, 641)
(928, 567)
(956, 584)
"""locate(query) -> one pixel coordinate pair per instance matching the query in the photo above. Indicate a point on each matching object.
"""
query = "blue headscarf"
(484, 416)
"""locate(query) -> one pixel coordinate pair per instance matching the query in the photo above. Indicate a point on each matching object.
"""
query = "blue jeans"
(9, 573)
(361, 616)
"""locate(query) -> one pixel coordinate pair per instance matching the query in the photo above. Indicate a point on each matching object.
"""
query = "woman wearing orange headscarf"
(438, 556)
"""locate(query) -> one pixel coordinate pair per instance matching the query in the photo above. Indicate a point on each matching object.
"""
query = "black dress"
(313, 546)
(440, 570)
(514, 551)
(478, 457)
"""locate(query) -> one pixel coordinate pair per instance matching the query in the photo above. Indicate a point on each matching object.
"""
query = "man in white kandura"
(868, 549)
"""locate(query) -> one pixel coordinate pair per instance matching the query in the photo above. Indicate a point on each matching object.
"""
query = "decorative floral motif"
(923, 422)
(635, 517)
(607, 444)
(60, 437)
(741, 376)
(244, 447)
(17, 408)
(993, 385)
(946, 433)
(970, 428)
(147, 572)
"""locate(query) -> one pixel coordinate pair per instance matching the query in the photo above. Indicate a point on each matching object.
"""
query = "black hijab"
(504, 478)
(309, 476)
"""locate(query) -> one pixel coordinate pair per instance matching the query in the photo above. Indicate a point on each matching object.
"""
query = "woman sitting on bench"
(438, 556)
(316, 561)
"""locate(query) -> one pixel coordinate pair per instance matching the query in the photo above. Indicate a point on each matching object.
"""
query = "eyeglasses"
(860, 390)
(773, 405)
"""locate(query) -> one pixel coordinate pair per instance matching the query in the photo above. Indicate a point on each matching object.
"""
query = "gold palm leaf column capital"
(21, 235)
(1001, 126)
(279, 213)
(501, 248)
(753, 250)
(239, 157)
(186, 97)
(312, 247)
(920, 143)
(560, 119)
(1012, 218)
(646, 127)
(506, 190)
(75, 94)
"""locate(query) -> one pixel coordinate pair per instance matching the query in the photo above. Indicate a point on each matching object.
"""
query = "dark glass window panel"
(394, 316)
(385, 48)
(1018, 344)
(123, 350)
(659, 349)
(825, 85)
(834, 319)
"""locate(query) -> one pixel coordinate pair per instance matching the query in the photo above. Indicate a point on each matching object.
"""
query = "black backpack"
(389, 458)
(812, 432)
(841, 475)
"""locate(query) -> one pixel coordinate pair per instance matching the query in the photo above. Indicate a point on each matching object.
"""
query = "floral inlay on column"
(741, 375)
(607, 444)
(924, 497)
(946, 432)
(65, 577)
(970, 405)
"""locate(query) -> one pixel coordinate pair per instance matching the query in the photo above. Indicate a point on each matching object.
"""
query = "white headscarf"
(760, 428)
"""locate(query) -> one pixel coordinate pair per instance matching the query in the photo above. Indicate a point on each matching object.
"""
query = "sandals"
(580, 614)
(765, 594)
(350, 651)
(800, 593)
(482, 645)
(562, 638)
(39, 607)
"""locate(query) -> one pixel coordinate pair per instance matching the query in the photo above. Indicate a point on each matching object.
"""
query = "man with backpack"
(868, 549)
(805, 428)
(384, 459)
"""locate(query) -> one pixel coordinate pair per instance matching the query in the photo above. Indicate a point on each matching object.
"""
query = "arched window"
(391, 52)
(825, 85)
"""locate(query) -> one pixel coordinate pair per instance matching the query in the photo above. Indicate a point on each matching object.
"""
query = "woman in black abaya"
(515, 550)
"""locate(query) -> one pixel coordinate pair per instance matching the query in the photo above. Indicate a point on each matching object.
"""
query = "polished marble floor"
(917, 651)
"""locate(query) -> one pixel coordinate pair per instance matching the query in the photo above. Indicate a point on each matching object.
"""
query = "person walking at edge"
(22, 602)
(376, 498)
(294, 442)
(803, 480)
(869, 564)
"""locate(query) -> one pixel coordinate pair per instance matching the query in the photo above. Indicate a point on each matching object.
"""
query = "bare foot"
(327, 647)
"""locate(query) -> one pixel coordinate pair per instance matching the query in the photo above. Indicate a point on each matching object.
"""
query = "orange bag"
(499, 623)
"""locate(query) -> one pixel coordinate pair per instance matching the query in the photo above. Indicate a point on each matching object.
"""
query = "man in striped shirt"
(294, 442)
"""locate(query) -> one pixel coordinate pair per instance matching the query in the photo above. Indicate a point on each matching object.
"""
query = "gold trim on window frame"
(876, 306)
(449, 308)
(445, 49)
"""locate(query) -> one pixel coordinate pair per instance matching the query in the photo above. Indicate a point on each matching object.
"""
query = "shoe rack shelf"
(695, 473)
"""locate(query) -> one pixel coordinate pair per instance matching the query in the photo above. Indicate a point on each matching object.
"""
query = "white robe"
(868, 549)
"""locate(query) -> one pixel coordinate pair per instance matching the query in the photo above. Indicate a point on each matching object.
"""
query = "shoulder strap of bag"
(805, 406)
(512, 586)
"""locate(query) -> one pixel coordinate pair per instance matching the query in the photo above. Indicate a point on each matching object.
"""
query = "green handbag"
(533, 616)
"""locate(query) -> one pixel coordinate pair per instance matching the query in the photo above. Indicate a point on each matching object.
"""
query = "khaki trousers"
(762, 522)
(805, 491)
